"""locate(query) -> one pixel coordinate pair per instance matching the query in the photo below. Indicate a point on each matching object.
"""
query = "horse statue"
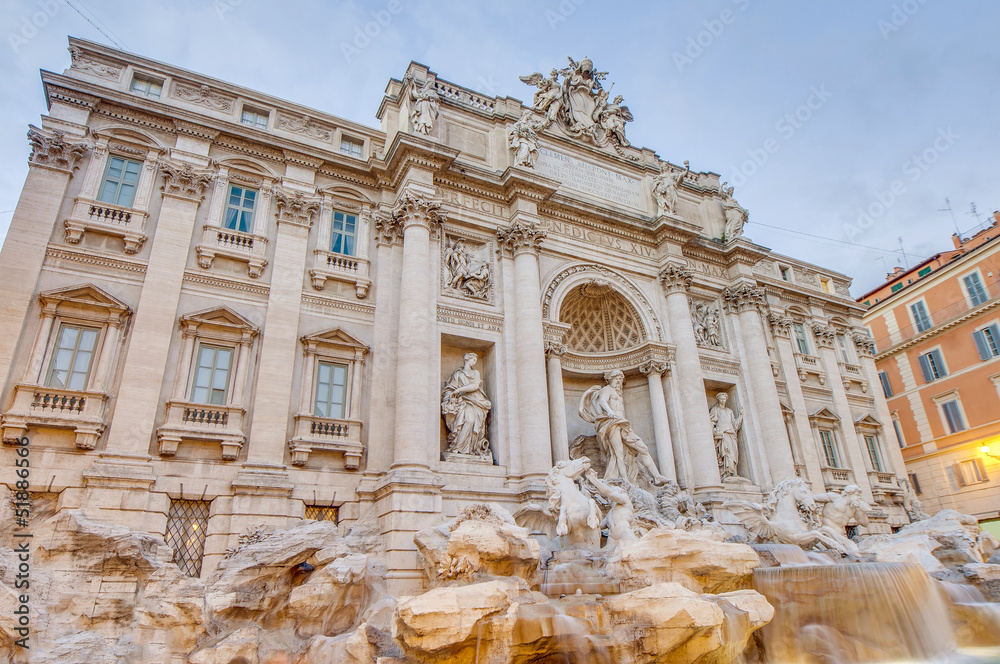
(573, 513)
(788, 517)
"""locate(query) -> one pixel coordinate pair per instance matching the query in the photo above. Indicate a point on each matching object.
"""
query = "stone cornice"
(294, 208)
(519, 183)
(134, 116)
(744, 297)
(182, 181)
(194, 129)
(50, 149)
(937, 329)
(676, 278)
(65, 95)
(521, 237)
(292, 157)
(409, 150)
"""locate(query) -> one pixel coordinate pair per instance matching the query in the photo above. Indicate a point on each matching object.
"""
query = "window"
(886, 385)
(239, 209)
(71, 357)
(351, 148)
(785, 274)
(826, 285)
(974, 287)
(987, 341)
(970, 472)
(845, 355)
(321, 513)
(120, 181)
(211, 375)
(254, 118)
(915, 483)
(932, 365)
(146, 87)
(800, 338)
(873, 453)
(344, 234)
(829, 449)
(895, 287)
(953, 416)
(187, 525)
(899, 432)
(925, 271)
(331, 387)
(920, 316)
(867, 303)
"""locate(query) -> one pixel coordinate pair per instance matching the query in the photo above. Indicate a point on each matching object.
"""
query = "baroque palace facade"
(225, 311)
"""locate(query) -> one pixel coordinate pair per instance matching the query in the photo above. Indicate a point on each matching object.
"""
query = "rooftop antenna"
(975, 213)
(884, 264)
(953, 220)
(906, 263)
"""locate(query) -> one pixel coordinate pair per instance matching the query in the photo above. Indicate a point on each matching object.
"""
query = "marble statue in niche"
(665, 188)
(523, 140)
(726, 427)
(624, 451)
(467, 270)
(465, 408)
(425, 101)
(736, 216)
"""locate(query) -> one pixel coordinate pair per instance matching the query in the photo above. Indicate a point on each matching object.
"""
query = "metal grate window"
(187, 525)
(321, 513)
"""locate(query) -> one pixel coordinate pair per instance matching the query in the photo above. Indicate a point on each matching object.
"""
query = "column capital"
(520, 237)
(52, 150)
(744, 297)
(675, 278)
(824, 335)
(388, 230)
(865, 344)
(651, 367)
(413, 210)
(182, 181)
(294, 208)
(781, 326)
(554, 349)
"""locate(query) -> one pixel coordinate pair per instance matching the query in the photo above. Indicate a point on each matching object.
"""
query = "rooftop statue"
(665, 188)
(736, 216)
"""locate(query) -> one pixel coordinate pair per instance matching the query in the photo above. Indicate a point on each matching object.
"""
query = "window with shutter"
(987, 342)
(921, 318)
(886, 385)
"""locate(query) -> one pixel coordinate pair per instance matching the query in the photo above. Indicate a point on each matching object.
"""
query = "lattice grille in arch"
(602, 319)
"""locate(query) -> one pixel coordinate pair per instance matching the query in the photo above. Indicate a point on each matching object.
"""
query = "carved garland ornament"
(52, 150)
(203, 96)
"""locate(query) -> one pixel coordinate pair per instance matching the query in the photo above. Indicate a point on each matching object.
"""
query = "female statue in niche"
(465, 407)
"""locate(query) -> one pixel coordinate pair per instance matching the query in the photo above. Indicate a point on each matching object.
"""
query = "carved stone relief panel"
(706, 318)
(467, 268)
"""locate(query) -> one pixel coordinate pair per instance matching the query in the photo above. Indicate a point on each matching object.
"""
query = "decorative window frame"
(222, 424)
(90, 215)
(944, 364)
(84, 411)
(885, 480)
(312, 433)
(330, 266)
(913, 318)
(940, 400)
(249, 248)
(834, 478)
(965, 288)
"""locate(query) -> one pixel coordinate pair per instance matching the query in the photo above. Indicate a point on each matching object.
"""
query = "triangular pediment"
(824, 415)
(785, 410)
(866, 421)
(335, 336)
(86, 295)
(219, 316)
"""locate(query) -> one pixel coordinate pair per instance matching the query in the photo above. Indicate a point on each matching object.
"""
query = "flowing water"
(863, 612)
(571, 632)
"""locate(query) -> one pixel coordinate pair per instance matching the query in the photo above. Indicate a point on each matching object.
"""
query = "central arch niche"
(601, 319)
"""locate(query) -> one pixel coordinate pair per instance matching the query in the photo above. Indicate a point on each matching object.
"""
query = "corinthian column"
(653, 370)
(522, 240)
(557, 402)
(748, 303)
(417, 217)
(676, 283)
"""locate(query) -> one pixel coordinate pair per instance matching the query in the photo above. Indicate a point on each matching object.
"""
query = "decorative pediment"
(867, 422)
(222, 319)
(785, 410)
(335, 339)
(86, 298)
(824, 417)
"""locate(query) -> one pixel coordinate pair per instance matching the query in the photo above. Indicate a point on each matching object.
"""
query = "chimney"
(896, 271)
(957, 240)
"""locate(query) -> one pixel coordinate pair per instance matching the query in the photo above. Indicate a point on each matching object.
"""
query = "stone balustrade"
(313, 434)
(807, 365)
(44, 407)
(235, 245)
(202, 422)
(328, 265)
(836, 478)
(93, 216)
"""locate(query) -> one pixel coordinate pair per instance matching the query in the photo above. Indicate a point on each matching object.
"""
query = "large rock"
(898, 548)
(697, 560)
(946, 541)
(240, 646)
(483, 543)
(986, 578)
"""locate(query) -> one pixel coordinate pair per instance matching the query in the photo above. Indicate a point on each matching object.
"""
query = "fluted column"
(417, 217)
(653, 370)
(676, 281)
(522, 240)
(748, 303)
(557, 402)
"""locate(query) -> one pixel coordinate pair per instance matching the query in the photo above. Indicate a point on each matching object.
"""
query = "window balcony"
(314, 434)
(234, 245)
(44, 407)
(340, 267)
(807, 365)
(202, 422)
(835, 479)
(884, 486)
(115, 220)
(851, 375)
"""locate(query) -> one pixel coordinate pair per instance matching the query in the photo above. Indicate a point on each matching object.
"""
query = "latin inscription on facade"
(590, 179)
(470, 202)
(599, 238)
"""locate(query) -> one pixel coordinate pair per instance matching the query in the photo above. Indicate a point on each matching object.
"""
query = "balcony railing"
(44, 407)
(807, 365)
(202, 422)
(313, 434)
(90, 216)
(837, 478)
(234, 245)
(328, 265)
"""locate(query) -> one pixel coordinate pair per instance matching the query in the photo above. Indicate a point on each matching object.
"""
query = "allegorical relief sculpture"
(736, 216)
(726, 427)
(624, 451)
(465, 407)
(467, 271)
(579, 104)
(665, 188)
(425, 100)
(707, 324)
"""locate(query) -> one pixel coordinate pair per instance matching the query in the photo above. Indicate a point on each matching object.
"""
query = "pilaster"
(654, 371)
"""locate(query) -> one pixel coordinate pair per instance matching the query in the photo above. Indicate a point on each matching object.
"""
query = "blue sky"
(818, 112)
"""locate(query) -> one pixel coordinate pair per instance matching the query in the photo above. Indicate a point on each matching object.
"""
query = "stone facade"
(170, 352)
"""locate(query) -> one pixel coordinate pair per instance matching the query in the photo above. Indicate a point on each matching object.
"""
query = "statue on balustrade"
(465, 407)
(624, 451)
(425, 100)
(726, 427)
